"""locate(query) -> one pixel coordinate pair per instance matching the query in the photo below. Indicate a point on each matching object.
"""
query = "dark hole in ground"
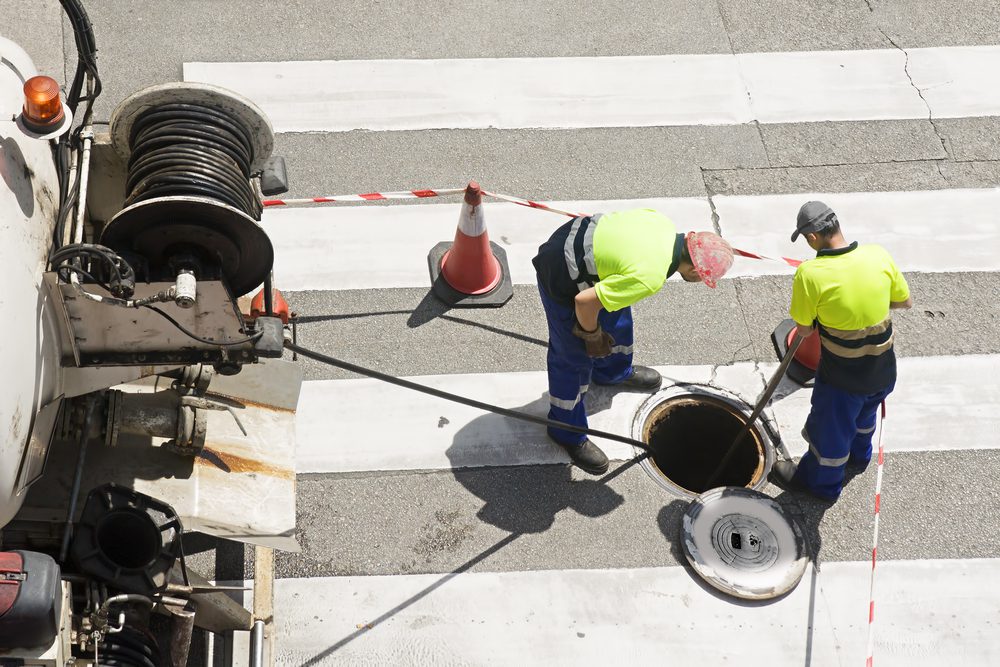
(129, 539)
(690, 436)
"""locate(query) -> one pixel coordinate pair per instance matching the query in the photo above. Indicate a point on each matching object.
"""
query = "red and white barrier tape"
(878, 503)
(423, 194)
(368, 196)
(531, 204)
(787, 260)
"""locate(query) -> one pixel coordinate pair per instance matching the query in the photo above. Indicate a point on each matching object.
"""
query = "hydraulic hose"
(192, 150)
(455, 398)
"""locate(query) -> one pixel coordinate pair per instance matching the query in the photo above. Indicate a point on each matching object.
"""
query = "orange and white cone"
(806, 360)
(471, 271)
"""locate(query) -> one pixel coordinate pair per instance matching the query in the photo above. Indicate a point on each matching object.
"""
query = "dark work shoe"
(643, 378)
(588, 457)
(784, 473)
(783, 476)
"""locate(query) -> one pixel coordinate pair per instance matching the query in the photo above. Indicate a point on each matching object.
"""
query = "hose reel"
(191, 207)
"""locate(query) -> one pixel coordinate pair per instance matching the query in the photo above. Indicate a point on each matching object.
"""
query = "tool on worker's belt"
(771, 386)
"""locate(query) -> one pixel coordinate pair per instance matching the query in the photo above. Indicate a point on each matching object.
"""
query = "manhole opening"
(689, 437)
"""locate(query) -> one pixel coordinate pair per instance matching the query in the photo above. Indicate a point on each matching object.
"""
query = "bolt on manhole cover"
(743, 543)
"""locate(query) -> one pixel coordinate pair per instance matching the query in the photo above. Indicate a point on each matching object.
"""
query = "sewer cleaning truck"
(143, 399)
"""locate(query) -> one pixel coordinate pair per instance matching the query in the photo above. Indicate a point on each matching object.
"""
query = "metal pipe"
(765, 397)
(77, 477)
(87, 135)
(154, 415)
(268, 295)
(181, 633)
(257, 644)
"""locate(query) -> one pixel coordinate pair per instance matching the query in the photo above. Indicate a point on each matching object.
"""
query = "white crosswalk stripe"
(627, 91)
(331, 248)
(934, 393)
(359, 437)
(574, 617)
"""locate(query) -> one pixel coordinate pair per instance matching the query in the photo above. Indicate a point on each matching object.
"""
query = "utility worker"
(846, 293)
(590, 271)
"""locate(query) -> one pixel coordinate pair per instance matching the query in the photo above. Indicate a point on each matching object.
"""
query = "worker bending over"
(847, 291)
(590, 271)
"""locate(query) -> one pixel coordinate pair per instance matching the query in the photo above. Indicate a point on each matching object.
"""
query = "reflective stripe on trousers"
(570, 369)
(839, 431)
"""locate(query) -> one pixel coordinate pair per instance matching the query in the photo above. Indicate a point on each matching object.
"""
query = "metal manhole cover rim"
(796, 566)
(694, 390)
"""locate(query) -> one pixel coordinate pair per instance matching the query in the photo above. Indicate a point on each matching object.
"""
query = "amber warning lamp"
(43, 115)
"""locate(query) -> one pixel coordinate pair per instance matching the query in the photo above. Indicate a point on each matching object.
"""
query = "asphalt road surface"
(437, 535)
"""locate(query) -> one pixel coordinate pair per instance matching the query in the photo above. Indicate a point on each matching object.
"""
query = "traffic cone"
(470, 271)
(278, 304)
(806, 360)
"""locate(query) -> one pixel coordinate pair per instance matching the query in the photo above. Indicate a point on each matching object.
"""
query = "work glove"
(598, 342)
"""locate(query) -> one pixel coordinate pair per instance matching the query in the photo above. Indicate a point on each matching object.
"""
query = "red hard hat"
(711, 255)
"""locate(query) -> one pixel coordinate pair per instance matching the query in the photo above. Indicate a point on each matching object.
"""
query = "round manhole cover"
(743, 543)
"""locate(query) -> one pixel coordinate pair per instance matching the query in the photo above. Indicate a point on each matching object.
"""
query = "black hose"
(191, 150)
(129, 648)
(86, 50)
(406, 384)
(207, 341)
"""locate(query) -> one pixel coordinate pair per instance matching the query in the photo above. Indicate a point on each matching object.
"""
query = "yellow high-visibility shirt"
(847, 289)
(634, 252)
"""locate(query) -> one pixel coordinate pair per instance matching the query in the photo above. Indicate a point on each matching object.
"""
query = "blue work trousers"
(570, 369)
(839, 431)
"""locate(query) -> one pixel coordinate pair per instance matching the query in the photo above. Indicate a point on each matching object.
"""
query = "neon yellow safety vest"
(847, 291)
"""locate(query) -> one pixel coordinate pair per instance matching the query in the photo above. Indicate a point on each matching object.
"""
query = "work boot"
(784, 471)
(783, 476)
(588, 457)
(643, 378)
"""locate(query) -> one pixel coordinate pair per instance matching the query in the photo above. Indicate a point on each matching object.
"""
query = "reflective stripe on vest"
(856, 343)
(579, 252)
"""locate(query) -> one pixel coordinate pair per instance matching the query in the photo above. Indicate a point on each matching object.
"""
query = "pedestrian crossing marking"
(335, 417)
(616, 91)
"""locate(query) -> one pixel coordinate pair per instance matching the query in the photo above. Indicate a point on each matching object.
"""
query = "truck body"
(143, 398)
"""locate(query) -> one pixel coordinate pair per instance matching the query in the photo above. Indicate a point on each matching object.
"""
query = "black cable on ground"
(192, 150)
(406, 384)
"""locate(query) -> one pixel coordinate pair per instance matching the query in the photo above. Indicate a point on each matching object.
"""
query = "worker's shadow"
(522, 477)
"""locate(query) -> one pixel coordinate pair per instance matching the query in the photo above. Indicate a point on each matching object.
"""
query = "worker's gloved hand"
(598, 341)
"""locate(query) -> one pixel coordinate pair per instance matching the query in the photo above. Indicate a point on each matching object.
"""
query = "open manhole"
(690, 429)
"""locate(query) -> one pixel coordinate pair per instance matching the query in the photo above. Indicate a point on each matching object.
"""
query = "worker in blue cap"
(846, 292)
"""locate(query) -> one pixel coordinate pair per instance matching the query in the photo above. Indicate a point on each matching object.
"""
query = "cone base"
(494, 298)
(797, 371)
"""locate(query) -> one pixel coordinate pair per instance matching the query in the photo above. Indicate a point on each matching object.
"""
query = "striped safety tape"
(787, 260)
(368, 196)
(441, 192)
(878, 503)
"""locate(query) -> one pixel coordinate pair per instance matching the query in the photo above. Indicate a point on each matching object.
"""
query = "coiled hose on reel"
(191, 149)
